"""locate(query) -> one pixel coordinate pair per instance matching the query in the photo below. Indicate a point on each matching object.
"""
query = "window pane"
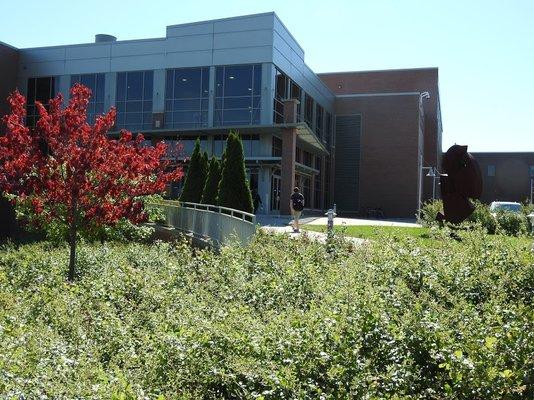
(257, 80)
(43, 89)
(187, 83)
(238, 80)
(134, 90)
(121, 86)
(169, 84)
(147, 105)
(219, 78)
(100, 86)
(31, 90)
(237, 102)
(149, 83)
(133, 106)
(205, 82)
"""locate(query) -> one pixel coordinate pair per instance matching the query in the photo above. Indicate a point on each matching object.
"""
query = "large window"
(280, 94)
(328, 128)
(308, 109)
(285, 89)
(186, 98)
(319, 121)
(277, 147)
(251, 145)
(39, 89)
(95, 82)
(317, 184)
(134, 100)
(238, 95)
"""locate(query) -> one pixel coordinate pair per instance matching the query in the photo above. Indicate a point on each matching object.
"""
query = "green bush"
(277, 319)
(196, 176)
(429, 211)
(211, 188)
(483, 217)
(234, 191)
(512, 224)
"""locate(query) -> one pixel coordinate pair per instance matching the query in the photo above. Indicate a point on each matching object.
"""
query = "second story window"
(238, 95)
(319, 121)
(491, 170)
(186, 98)
(308, 109)
(134, 100)
(95, 82)
(39, 89)
(328, 128)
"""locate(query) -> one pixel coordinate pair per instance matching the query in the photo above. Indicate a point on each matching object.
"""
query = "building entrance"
(276, 184)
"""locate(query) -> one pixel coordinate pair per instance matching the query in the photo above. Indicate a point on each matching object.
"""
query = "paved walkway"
(273, 220)
(282, 225)
(319, 236)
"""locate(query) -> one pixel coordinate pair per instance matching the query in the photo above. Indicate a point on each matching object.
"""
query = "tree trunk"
(72, 243)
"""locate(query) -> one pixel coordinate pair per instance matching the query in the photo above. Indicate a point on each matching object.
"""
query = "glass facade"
(39, 89)
(237, 95)
(328, 128)
(277, 147)
(285, 88)
(317, 184)
(308, 110)
(319, 122)
(186, 97)
(96, 83)
(134, 100)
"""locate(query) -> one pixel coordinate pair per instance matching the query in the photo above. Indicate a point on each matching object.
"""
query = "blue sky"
(484, 49)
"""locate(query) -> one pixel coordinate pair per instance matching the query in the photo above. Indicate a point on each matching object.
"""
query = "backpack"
(298, 202)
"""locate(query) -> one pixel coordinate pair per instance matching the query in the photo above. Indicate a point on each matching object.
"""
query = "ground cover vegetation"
(277, 319)
(504, 223)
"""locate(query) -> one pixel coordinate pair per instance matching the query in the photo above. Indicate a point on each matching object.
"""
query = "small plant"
(429, 211)
(483, 217)
(512, 224)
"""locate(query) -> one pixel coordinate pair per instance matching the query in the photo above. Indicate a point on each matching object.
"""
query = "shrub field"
(279, 319)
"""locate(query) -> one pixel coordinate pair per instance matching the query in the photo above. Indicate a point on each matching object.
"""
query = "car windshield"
(506, 207)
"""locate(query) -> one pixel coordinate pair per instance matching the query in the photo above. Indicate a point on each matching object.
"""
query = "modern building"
(361, 140)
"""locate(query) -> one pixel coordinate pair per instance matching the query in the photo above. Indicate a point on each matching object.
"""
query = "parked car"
(507, 206)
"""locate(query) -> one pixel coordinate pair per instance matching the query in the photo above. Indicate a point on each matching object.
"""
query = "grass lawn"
(427, 236)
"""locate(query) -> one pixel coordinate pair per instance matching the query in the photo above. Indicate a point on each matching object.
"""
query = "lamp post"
(434, 174)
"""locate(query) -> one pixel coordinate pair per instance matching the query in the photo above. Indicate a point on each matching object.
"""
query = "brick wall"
(388, 173)
(512, 176)
(399, 81)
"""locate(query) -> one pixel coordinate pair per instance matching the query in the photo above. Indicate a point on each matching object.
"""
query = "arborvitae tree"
(234, 191)
(211, 188)
(196, 176)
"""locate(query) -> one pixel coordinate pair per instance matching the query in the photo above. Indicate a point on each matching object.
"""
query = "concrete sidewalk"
(318, 236)
(284, 221)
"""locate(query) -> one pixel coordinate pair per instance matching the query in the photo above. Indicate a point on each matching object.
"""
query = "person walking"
(297, 205)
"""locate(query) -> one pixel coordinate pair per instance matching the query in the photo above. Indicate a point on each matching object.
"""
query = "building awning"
(304, 133)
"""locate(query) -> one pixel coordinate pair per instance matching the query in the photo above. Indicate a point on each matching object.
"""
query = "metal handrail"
(217, 223)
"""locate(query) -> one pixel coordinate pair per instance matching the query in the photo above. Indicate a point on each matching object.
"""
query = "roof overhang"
(304, 134)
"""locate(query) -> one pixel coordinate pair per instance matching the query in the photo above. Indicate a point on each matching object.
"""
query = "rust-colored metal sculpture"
(461, 181)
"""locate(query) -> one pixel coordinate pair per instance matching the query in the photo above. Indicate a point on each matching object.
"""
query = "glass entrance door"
(276, 184)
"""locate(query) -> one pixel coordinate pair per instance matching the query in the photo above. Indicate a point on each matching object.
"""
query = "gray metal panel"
(137, 63)
(42, 54)
(189, 43)
(87, 51)
(189, 59)
(197, 28)
(230, 40)
(247, 23)
(250, 55)
(347, 162)
(156, 46)
(88, 66)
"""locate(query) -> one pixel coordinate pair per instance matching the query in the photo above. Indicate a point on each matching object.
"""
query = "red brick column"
(289, 146)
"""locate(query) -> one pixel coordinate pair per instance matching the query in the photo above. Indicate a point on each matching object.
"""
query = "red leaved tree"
(70, 172)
